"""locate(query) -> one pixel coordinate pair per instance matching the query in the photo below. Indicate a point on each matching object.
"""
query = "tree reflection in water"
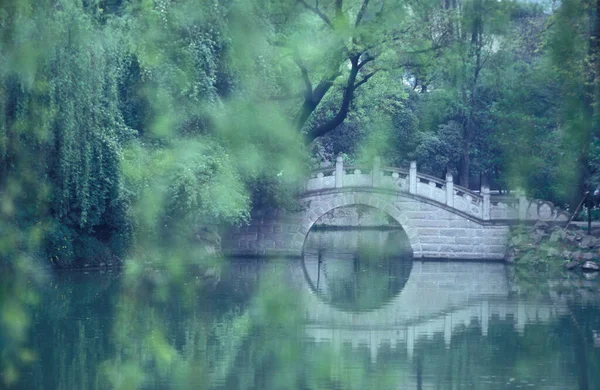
(258, 323)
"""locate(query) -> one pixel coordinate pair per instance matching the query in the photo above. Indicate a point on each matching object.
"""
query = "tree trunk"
(307, 109)
(590, 98)
(464, 169)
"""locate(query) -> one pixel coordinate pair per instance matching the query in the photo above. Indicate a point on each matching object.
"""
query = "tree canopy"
(122, 117)
(132, 128)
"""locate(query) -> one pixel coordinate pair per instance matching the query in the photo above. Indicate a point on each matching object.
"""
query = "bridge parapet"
(522, 208)
(482, 205)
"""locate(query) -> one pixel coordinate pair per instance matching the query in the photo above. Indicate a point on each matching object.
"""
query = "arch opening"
(317, 210)
(357, 264)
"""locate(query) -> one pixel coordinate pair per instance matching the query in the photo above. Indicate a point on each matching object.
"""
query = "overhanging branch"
(365, 79)
(368, 58)
(344, 108)
(278, 98)
(361, 13)
(305, 78)
(315, 9)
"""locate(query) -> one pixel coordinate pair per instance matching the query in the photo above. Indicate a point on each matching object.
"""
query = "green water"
(356, 312)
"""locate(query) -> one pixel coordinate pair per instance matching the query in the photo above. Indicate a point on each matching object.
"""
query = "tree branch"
(305, 78)
(322, 88)
(279, 98)
(397, 36)
(361, 13)
(365, 79)
(338, 8)
(317, 11)
(433, 48)
(311, 102)
(344, 108)
(368, 58)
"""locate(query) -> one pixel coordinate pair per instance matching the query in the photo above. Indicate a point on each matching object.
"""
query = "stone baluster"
(485, 317)
(320, 183)
(449, 190)
(522, 204)
(376, 172)
(487, 205)
(339, 172)
(412, 178)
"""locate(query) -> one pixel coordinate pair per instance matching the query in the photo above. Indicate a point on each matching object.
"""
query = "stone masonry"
(441, 220)
(434, 231)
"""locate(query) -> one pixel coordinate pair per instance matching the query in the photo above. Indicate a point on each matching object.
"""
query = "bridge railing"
(481, 206)
(522, 208)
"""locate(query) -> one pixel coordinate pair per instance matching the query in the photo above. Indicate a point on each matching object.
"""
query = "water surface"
(356, 312)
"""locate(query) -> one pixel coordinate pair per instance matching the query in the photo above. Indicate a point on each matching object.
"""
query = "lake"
(355, 312)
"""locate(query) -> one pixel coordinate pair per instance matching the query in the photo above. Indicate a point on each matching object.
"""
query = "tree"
(573, 41)
(491, 45)
(321, 47)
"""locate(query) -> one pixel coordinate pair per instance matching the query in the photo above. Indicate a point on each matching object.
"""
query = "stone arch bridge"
(441, 220)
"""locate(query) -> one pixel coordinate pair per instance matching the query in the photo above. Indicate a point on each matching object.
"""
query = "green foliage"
(137, 129)
(66, 110)
(116, 140)
(382, 122)
(439, 151)
(582, 214)
(184, 186)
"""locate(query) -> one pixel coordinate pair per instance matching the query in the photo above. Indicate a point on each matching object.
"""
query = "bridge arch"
(356, 271)
(440, 219)
(317, 209)
(434, 230)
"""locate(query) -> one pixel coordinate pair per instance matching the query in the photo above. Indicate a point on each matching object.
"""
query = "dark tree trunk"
(590, 98)
(342, 113)
(464, 169)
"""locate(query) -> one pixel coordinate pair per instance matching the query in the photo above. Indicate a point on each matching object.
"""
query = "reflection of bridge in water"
(438, 298)
(450, 324)
(425, 324)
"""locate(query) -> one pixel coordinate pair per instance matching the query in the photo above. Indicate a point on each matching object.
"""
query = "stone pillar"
(521, 317)
(412, 178)
(410, 342)
(448, 330)
(485, 317)
(449, 190)
(487, 205)
(320, 181)
(376, 173)
(373, 349)
(339, 172)
(522, 204)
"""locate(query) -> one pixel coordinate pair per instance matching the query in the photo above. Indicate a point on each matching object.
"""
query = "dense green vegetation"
(123, 119)
(137, 126)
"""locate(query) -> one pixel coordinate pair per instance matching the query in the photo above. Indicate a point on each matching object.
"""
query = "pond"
(355, 312)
